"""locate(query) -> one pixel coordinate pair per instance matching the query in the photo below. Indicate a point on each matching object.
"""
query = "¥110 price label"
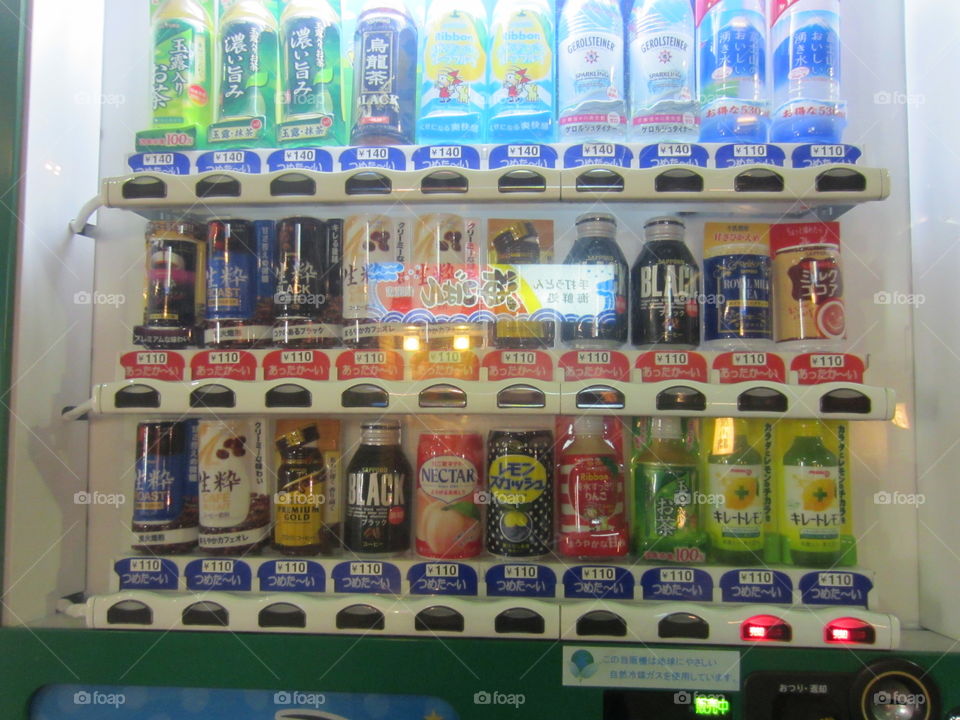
(657, 366)
(166, 365)
(292, 576)
(756, 586)
(511, 364)
(677, 583)
(595, 365)
(224, 365)
(299, 364)
(442, 578)
(835, 588)
(520, 580)
(147, 573)
(736, 367)
(218, 574)
(366, 576)
(739, 155)
(609, 582)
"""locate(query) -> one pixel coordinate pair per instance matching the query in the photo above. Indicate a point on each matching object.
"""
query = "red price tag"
(453, 364)
(153, 365)
(379, 364)
(660, 365)
(300, 364)
(818, 368)
(513, 364)
(743, 366)
(595, 365)
(223, 365)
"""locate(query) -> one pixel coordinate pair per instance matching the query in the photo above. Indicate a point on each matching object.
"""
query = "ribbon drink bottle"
(385, 75)
(519, 244)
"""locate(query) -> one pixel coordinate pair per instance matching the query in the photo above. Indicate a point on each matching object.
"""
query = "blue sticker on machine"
(292, 576)
(218, 574)
(300, 159)
(442, 578)
(663, 154)
(366, 576)
(147, 573)
(728, 156)
(172, 163)
(386, 158)
(756, 586)
(597, 153)
(520, 580)
(817, 155)
(241, 161)
(460, 156)
(677, 583)
(504, 156)
(834, 587)
(591, 582)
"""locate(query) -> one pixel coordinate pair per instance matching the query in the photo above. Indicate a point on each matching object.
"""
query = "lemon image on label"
(515, 526)
(819, 494)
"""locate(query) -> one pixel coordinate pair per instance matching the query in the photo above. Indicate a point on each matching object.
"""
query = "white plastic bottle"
(590, 77)
(663, 83)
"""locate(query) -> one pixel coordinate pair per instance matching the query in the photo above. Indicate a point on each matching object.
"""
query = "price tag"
(657, 366)
(595, 365)
(665, 154)
(171, 163)
(300, 364)
(242, 161)
(516, 364)
(218, 574)
(818, 368)
(313, 159)
(385, 158)
(609, 582)
(520, 580)
(459, 156)
(819, 155)
(449, 364)
(677, 583)
(442, 578)
(736, 367)
(505, 156)
(292, 576)
(728, 156)
(147, 573)
(835, 588)
(379, 364)
(597, 154)
(223, 365)
(756, 586)
(153, 365)
(366, 577)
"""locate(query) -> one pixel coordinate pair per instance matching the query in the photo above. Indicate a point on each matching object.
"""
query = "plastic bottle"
(597, 245)
(522, 89)
(311, 109)
(663, 82)
(734, 518)
(182, 60)
(247, 107)
(806, 71)
(732, 37)
(590, 82)
(811, 518)
(453, 69)
(385, 75)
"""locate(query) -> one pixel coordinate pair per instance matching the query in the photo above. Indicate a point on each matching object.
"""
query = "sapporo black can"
(520, 492)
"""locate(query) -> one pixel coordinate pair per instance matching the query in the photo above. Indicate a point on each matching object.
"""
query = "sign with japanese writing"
(147, 573)
(663, 154)
(505, 156)
(728, 156)
(749, 366)
(835, 588)
(300, 364)
(442, 578)
(366, 576)
(520, 580)
(818, 368)
(291, 576)
(756, 585)
(218, 574)
(306, 158)
(677, 583)
(172, 163)
(362, 364)
(623, 666)
(153, 365)
(595, 365)
(223, 365)
(597, 153)
(817, 155)
(460, 156)
(660, 365)
(518, 364)
(593, 582)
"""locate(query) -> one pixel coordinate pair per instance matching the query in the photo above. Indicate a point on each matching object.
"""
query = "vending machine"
(423, 362)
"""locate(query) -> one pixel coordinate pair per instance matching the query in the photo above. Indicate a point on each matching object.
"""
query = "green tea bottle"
(736, 510)
(310, 106)
(812, 518)
(666, 489)
(182, 83)
(247, 106)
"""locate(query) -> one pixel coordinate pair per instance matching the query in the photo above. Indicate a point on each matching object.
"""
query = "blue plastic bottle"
(806, 71)
(663, 81)
(522, 98)
(732, 38)
(453, 72)
(590, 90)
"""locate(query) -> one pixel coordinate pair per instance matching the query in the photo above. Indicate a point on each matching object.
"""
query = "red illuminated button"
(850, 630)
(765, 628)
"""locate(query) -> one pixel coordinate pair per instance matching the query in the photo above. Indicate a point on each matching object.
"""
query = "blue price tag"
(597, 153)
(677, 583)
(172, 163)
(520, 580)
(147, 573)
(664, 154)
(242, 161)
(504, 156)
(728, 156)
(598, 581)
(386, 158)
(756, 586)
(461, 156)
(816, 155)
(366, 576)
(300, 159)
(218, 574)
(292, 576)
(832, 587)
(442, 578)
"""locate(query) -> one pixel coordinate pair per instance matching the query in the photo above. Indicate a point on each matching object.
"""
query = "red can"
(447, 512)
